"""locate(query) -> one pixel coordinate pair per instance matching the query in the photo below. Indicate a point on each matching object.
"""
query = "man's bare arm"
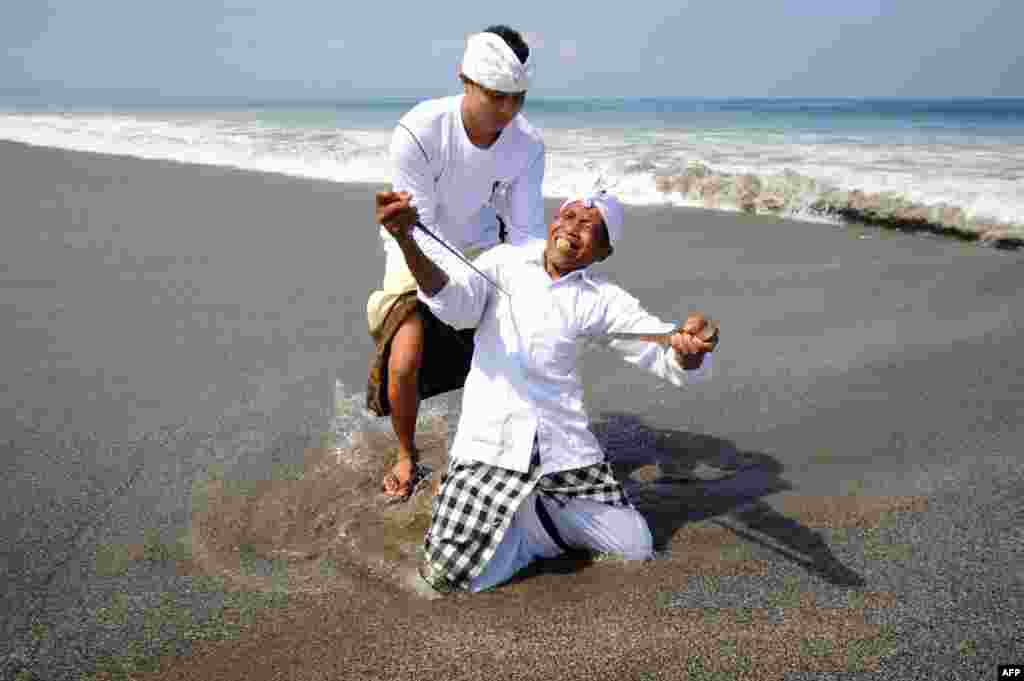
(429, 277)
(396, 213)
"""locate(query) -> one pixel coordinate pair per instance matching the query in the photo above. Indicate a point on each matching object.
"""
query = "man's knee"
(406, 349)
(618, 531)
(639, 544)
(628, 535)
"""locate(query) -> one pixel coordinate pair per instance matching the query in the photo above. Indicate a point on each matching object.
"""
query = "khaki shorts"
(447, 352)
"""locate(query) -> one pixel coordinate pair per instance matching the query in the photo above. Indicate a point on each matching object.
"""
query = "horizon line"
(368, 96)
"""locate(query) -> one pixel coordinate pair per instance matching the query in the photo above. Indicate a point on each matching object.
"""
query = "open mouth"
(564, 244)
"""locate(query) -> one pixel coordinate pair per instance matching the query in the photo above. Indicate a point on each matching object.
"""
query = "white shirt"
(524, 379)
(457, 187)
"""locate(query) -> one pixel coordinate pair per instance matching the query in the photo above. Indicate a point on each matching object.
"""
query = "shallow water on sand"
(317, 526)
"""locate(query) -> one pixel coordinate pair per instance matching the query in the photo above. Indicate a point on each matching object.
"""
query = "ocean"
(778, 156)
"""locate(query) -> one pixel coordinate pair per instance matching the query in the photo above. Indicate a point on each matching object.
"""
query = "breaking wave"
(938, 178)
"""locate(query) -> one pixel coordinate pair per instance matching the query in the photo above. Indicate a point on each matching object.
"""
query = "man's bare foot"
(399, 482)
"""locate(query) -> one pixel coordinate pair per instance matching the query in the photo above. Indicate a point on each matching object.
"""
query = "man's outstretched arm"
(685, 362)
(459, 300)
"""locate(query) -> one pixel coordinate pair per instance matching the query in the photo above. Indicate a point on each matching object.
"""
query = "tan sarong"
(447, 352)
(398, 281)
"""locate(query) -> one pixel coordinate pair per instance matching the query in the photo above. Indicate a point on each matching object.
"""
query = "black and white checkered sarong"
(475, 505)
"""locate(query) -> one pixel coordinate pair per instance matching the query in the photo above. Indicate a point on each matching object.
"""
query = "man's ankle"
(411, 455)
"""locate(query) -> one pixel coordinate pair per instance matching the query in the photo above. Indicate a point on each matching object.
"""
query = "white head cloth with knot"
(611, 211)
(490, 62)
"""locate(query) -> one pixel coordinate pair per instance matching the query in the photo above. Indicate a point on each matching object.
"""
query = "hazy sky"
(321, 49)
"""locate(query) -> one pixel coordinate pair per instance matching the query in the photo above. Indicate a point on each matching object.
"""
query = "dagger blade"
(707, 334)
(461, 257)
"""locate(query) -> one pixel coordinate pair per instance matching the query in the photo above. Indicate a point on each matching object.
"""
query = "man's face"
(490, 111)
(577, 238)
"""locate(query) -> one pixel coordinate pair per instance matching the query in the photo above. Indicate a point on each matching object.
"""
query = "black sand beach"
(161, 319)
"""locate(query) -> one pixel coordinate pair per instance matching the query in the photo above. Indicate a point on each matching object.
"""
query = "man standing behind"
(526, 478)
(456, 162)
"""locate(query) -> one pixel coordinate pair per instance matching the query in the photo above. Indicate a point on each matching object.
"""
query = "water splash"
(352, 420)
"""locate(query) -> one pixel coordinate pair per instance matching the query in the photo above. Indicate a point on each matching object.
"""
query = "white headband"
(611, 211)
(490, 62)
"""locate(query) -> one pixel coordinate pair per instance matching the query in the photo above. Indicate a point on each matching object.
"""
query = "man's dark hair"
(512, 39)
(605, 238)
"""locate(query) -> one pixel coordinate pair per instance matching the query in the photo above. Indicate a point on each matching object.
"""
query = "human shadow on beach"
(676, 477)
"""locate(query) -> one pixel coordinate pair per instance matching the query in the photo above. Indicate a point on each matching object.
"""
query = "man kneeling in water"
(526, 478)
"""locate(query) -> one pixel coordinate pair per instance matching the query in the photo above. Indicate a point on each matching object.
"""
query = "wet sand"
(168, 325)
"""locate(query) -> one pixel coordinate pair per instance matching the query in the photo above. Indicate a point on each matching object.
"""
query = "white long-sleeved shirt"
(457, 187)
(524, 380)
